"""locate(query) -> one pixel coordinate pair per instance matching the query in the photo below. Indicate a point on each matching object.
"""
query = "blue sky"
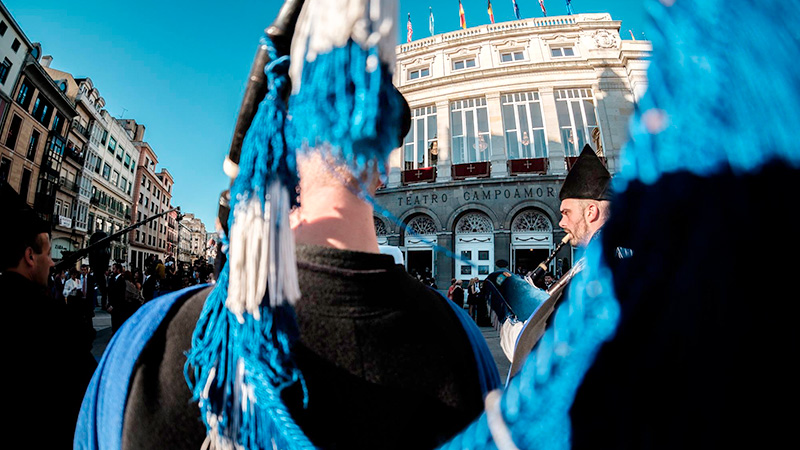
(179, 67)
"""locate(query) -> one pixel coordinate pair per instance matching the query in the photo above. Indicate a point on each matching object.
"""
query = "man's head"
(585, 198)
(35, 261)
(582, 218)
(27, 250)
(116, 269)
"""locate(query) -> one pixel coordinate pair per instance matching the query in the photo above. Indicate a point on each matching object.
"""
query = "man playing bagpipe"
(521, 308)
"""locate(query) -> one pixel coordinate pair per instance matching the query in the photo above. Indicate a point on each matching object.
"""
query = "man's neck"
(332, 216)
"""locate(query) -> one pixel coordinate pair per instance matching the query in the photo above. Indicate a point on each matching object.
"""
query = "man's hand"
(109, 308)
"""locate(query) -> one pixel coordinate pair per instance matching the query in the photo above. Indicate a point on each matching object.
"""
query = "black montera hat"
(588, 179)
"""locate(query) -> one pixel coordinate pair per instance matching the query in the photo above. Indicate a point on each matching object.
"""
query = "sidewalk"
(102, 324)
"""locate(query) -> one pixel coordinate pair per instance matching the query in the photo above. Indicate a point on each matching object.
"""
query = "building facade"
(112, 160)
(14, 47)
(73, 196)
(192, 239)
(34, 155)
(499, 112)
(152, 195)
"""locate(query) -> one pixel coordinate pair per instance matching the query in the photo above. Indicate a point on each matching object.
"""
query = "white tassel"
(248, 258)
(261, 257)
(369, 23)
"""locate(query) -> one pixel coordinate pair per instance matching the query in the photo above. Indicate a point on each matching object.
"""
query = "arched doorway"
(531, 240)
(381, 232)
(475, 244)
(419, 246)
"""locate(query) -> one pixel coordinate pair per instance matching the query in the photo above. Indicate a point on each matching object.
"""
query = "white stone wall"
(16, 58)
(614, 70)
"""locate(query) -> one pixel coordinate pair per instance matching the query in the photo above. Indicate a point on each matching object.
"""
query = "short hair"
(16, 248)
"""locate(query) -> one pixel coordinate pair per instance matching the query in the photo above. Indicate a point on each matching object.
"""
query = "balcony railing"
(80, 129)
(470, 170)
(422, 175)
(67, 185)
(75, 153)
(528, 166)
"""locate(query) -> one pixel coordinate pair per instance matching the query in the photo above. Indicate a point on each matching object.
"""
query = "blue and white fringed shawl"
(344, 103)
(240, 359)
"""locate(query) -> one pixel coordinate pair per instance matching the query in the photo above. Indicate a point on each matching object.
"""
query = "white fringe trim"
(327, 24)
(261, 257)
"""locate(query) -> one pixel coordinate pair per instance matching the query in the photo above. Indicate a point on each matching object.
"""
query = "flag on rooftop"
(489, 10)
(544, 10)
(516, 9)
(430, 20)
(409, 28)
(462, 18)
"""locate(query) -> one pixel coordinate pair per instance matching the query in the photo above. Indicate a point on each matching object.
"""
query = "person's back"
(384, 369)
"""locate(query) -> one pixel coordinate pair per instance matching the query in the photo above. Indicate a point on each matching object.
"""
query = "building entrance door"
(475, 246)
(531, 241)
(419, 247)
(420, 262)
(527, 259)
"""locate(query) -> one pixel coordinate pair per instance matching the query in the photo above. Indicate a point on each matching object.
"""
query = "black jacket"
(49, 365)
(385, 368)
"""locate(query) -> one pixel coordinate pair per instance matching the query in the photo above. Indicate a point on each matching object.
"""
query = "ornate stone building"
(500, 112)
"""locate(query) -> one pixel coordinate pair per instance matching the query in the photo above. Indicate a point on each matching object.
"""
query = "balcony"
(75, 153)
(83, 131)
(423, 175)
(472, 170)
(68, 186)
(528, 166)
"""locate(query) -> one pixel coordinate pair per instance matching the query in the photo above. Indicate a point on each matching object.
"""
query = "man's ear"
(28, 257)
(592, 213)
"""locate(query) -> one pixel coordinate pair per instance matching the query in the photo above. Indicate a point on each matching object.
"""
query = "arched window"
(531, 221)
(474, 223)
(422, 225)
(380, 227)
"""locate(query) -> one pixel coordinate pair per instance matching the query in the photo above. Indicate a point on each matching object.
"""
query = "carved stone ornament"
(531, 221)
(422, 225)
(604, 39)
(380, 227)
(474, 223)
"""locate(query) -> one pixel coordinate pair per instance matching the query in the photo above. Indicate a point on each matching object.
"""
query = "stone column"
(498, 157)
(444, 161)
(555, 148)
(395, 166)
(614, 104)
